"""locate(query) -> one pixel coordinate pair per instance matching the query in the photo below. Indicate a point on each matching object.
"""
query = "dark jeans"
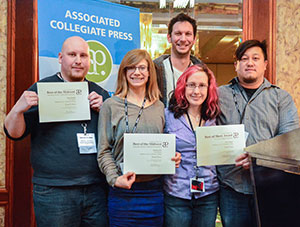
(142, 205)
(236, 209)
(196, 212)
(70, 206)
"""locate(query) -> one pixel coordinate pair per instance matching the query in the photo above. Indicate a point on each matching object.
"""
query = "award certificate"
(149, 153)
(63, 101)
(219, 145)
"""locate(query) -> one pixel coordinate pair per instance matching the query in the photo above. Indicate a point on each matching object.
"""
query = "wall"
(223, 72)
(3, 54)
(288, 48)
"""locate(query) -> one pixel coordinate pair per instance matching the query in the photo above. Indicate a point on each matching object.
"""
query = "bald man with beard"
(68, 187)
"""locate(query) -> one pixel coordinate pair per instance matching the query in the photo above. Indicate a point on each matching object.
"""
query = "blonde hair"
(132, 58)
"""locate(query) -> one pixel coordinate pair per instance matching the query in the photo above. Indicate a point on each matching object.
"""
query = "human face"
(138, 78)
(182, 38)
(74, 59)
(251, 68)
(196, 96)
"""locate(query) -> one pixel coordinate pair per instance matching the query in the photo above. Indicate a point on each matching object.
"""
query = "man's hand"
(96, 101)
(14, 121)
(126, 180)
(177, 159)
(26, 101)
(243, 160)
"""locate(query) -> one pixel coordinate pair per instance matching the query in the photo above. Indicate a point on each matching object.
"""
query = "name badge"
(86, 143)
(197, 185)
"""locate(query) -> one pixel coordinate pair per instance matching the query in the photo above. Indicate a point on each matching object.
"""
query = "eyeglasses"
(141, 68)
(193, 86)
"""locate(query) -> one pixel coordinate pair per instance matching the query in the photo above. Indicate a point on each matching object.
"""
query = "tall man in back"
(68, 187)
(182, 31)
(266, 111)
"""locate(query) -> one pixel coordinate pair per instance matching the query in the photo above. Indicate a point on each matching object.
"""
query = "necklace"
(191, 124)
(197, 118)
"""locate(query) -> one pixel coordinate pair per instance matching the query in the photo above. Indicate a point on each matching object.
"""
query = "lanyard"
(172, 69)
(242, 115)
(191, 121)
(138, 117)
(60, 76)
(197, 167)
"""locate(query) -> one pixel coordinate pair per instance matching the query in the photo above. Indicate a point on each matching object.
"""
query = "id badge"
(197, 185)
(86, 143)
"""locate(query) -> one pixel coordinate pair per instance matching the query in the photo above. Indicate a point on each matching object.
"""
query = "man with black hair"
(266, 111)
(182, 31)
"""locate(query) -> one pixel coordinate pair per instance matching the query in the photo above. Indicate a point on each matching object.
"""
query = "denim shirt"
(178, 185)
(268, 113)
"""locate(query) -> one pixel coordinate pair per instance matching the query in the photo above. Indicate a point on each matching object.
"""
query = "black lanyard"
(60, 76)
(234, 94)
(138, 117)
(191, 121)
(242, 115)
(172, 69)
(197, 167)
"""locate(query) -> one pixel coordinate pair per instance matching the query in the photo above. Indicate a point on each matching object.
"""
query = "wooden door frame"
(21, 73)
(259, 22)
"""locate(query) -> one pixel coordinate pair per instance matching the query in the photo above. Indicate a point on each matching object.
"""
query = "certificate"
(63, 101)
(149, 153)
(219, 145)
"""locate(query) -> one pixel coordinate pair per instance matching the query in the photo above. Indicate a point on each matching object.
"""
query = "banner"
(110, 29)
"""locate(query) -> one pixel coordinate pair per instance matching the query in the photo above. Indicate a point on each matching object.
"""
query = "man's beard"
(250, 80)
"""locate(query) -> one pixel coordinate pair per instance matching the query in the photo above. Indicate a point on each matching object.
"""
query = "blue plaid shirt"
(268, 113)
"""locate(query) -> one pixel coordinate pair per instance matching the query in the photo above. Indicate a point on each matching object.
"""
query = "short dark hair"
(181, 18)
(243, 47)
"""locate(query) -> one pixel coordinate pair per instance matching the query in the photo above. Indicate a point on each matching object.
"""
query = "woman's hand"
(243, 160)
(177, 159)
(126, 180)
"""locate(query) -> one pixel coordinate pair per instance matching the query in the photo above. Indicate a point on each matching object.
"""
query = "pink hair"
(210, 107)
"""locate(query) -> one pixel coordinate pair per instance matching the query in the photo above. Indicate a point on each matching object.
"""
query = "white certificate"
(149, 153)
(63, 101)
(219, 145)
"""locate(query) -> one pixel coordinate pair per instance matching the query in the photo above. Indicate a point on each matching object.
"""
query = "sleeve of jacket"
(160, 81)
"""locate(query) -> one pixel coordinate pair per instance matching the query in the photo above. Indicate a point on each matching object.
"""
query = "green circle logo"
(101, 62)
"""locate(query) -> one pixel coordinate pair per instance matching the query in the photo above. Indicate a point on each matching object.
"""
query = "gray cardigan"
(111, 128)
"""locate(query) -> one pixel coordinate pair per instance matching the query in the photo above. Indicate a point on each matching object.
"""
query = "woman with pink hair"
(191, 195)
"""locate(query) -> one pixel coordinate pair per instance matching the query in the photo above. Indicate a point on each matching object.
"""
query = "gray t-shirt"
(171, 77)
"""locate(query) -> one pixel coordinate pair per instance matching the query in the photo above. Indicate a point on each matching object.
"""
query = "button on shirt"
(178, 185)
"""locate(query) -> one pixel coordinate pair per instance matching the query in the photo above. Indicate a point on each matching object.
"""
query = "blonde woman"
(134, 200)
